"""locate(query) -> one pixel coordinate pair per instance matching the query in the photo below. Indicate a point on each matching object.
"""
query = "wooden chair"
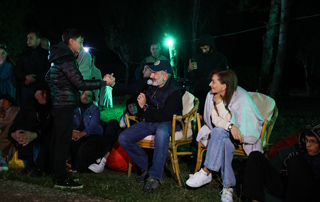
(269, 112)
(183, 137)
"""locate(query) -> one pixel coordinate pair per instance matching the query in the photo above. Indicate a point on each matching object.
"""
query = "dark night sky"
(240, 48)
(59, 15)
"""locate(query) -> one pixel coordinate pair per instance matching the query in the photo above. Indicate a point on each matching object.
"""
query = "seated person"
(299, 178)
(112, 131)
(7, 114)
(236, 120)
(89, 139)
(158, 103)
(31, 129)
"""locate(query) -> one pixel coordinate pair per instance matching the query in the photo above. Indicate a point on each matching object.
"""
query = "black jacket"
(34, 117)
(206, 63)
(32, 61)
(65, 79)
(163, 102)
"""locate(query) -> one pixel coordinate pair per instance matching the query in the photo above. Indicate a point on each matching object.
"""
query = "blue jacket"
(90, 118)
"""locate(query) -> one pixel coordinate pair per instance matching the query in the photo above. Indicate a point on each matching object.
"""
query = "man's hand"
(76, 135)
(30, 79)
(141, 99)
(192, 65)
(109, 79)
(24, 137)
(236, 133)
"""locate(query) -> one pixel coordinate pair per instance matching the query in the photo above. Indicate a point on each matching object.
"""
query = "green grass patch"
(117, 186)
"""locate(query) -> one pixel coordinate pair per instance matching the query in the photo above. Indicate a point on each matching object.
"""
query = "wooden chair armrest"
(132, 118)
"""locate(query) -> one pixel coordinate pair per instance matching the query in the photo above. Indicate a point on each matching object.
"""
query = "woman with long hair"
(231, 117)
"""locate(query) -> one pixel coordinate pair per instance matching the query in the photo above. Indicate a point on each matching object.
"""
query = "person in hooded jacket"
(206, 61)
(65, 81)
(299, 177)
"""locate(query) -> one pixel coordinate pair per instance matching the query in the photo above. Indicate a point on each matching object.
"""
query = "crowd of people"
(49, 113)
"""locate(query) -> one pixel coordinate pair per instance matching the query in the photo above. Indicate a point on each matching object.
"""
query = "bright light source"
(86, 49)
(169, 42)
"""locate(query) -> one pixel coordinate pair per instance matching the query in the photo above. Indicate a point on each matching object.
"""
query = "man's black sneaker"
(144, 175)
(68, 184)
(151, 185)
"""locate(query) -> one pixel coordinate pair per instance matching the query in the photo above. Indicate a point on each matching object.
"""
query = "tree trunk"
(267, 53)
(194, 22)
(282, 47)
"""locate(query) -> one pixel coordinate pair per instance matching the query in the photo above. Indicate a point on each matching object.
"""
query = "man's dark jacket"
(65, 79)
(163, 102)
(32, 61)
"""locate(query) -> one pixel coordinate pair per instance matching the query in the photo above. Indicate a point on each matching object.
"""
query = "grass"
(116, 186)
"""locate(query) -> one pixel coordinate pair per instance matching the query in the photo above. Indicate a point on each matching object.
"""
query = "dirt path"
(14, 191)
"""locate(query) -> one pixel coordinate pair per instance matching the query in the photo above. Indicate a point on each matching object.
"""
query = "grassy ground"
(115, 185)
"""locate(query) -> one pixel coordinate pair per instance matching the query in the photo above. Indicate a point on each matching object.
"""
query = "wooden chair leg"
(175, 164)
(199, 159)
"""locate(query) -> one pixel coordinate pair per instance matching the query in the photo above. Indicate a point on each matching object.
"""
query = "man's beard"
(159, 82)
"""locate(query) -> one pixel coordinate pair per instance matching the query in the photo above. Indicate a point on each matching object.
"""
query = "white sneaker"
(226, 194)
(99, 166)
(199, 178)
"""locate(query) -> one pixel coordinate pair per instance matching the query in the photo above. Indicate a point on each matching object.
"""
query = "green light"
(169, 42)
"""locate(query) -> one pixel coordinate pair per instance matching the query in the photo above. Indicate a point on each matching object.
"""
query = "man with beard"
(159, 103)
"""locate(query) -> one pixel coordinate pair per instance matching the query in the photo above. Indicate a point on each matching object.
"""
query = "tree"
(267, 54)
(125, 30)
(281, 53)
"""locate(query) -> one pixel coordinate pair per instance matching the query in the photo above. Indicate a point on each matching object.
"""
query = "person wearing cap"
(158, 104)
(298, 179)
(207, 60)
(31, 130)
(8, 112)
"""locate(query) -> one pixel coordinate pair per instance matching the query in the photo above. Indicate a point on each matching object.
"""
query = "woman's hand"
(217, 99)
(236, 133)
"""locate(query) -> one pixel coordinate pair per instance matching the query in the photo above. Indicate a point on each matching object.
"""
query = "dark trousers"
(299, 185)
(42, 161)
(26, 153)
(61, 141)
(85, 151)
(111, 134)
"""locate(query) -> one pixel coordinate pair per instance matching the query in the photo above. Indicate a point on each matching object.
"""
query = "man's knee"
(256, 156)
(122, 139)
(162, 132)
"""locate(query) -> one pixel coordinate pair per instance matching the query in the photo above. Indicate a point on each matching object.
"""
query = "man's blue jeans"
(220, 152)
(128, 140)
